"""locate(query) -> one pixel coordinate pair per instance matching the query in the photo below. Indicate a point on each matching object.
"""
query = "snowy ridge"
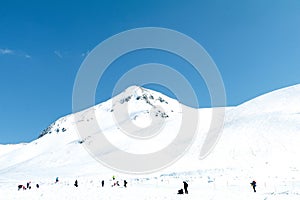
(260, 141)
(284, 100)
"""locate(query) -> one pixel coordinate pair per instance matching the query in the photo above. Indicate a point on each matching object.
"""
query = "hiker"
(253, 184)
(102, 183)
(37, 186)
(21, 187)
(76, 183)
(113, 177)
(28, 185)
(185, 186)
(56, 180)
(116, 184)
(125, 183)
(180, 191)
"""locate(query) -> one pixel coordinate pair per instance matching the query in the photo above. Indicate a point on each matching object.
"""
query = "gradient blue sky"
(255, 44)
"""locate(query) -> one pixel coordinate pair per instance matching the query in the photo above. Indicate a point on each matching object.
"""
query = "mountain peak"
(138, 102)
(135, 91)
(139, 93)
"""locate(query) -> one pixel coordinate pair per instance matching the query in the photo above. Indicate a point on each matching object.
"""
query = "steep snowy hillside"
(60, 146)
(260, 141)
(267, 127)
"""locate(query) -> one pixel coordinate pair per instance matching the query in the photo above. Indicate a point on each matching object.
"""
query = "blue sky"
(255, 44)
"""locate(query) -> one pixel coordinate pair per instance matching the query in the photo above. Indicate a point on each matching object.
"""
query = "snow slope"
(260, 141)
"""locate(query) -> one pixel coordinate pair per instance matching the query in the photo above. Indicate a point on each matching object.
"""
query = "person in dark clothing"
(125, 183)
(20, 187)
(180, 191)
(37, 186)
(185, 186)
(102, 183)
(253, 184)
(56, 180)
(76, 183)
(28, 184)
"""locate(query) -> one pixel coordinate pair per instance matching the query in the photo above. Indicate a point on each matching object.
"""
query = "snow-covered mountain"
(260, 141)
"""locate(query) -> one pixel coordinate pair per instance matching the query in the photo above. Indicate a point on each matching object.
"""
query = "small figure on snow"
(253, 184)
(56, 180)
(125, 183)
(28, 185)
(116, 184)
(37, 186)
(76, 183)
(185, 186)
(21, 187)
(102, 183)
(180, 191)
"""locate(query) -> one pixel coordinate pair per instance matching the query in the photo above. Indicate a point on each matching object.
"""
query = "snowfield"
(260, 141)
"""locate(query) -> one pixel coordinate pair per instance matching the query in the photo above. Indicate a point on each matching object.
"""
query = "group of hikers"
(28, 186)
(185, 187)
(75, 184)
(115, 183)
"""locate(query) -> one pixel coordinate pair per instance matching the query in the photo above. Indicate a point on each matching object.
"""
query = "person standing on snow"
(28, 184)
(253, 184)
(76, 183)
(185, 186)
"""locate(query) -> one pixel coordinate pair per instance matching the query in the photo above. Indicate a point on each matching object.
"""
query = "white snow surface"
(260, 141)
